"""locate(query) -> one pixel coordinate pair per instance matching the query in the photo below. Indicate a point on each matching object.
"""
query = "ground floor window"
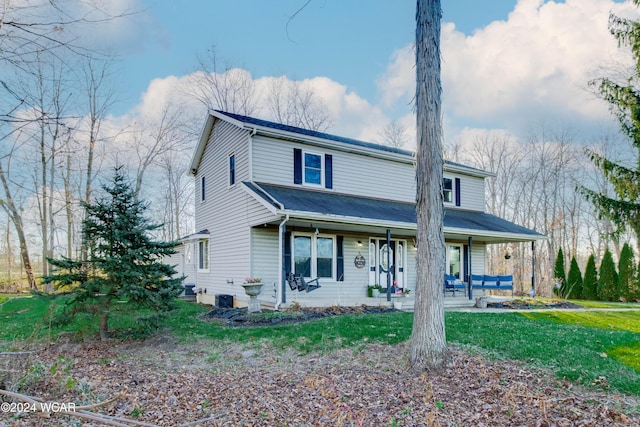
(454, 261)
(314, 255)
(203, 255)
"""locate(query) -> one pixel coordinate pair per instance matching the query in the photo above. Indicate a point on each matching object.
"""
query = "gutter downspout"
(251, 134)
(281, 229)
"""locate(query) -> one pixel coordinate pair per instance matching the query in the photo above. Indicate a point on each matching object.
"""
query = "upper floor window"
(447, 190)
(232, 169)
(312, 168)
(202, 189)
(451, 190)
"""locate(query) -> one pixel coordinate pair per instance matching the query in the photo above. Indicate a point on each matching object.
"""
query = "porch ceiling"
(311, 208)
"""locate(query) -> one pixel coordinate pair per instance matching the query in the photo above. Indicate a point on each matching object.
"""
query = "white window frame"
(203, 256)
(188, 259)
(453, 190)
(203, 189)
(304, 168)
(460, 246)
(314, 254)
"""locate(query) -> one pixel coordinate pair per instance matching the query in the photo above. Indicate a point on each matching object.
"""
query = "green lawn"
(594, 348)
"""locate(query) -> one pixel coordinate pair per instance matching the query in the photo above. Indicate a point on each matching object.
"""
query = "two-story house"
(274, 199)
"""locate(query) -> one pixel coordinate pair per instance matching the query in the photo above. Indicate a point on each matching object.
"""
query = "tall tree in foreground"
(428, 343)
(124, 262)
(623, 209)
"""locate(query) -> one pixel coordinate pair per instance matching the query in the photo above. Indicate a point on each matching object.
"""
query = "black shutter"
(457, 191)
(287, 253)
(297, 166)
(328, 171)
(340, 259)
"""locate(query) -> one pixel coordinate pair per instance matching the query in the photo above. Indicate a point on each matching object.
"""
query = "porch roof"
(328, 206)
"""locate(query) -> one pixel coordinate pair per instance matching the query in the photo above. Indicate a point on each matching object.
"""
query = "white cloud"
(535, 64)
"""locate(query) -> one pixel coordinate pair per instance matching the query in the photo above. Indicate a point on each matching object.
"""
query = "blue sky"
(333, 38)
(508, 65)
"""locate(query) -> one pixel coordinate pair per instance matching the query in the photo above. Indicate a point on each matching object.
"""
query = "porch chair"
(298, 283)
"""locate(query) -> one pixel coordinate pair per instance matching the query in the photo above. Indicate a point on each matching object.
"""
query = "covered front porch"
(351, 243)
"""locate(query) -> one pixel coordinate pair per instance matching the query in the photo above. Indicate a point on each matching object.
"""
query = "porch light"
(359, 243)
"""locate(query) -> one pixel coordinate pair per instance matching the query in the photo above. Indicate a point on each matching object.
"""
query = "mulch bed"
(240, 316)
(517, 304)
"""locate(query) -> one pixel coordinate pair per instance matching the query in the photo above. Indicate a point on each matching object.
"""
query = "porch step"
(408, 304)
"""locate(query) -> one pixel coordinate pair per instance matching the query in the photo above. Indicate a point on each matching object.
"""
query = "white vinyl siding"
(227, 212)
(352, 173)
(471, 192)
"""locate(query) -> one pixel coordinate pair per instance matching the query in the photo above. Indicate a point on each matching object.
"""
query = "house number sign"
(359, 261)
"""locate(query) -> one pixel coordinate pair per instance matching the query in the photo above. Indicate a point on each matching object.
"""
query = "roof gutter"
(280, 291)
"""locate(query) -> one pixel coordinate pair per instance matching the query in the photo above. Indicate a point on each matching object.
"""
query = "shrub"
(590, 280)
(627, 274)
(559, 275)
(574, 280)
(608, 282)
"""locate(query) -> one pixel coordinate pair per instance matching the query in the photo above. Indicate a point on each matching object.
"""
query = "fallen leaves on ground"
(169, 384)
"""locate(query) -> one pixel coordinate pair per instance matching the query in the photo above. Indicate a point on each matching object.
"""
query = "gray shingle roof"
(328, 203)
(312, 133)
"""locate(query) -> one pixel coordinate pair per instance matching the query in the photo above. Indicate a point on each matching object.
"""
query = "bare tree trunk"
(428, 343)
(11, 209)
(9, 253)
(99, 101)
(68, 199)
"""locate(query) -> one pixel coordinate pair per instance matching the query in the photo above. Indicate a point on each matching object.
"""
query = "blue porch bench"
(453, 285)
(488, 282)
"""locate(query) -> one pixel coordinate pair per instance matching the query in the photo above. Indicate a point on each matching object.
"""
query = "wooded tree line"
(57, 138)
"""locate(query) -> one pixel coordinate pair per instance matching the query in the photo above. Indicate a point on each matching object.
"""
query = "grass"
(604, 304)
(579, 353)
(595, 348)
(6, 297)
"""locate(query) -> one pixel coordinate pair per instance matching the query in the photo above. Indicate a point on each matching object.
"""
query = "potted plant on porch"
(252, 287)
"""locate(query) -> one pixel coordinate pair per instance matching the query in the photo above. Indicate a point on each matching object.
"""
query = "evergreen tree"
(559, 274)
(623, 208)
(124, 262)
(574, 280)
(608, 281)
(627, 274)
(590, 280)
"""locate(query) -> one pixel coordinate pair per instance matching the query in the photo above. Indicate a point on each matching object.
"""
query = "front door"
(386, 260)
